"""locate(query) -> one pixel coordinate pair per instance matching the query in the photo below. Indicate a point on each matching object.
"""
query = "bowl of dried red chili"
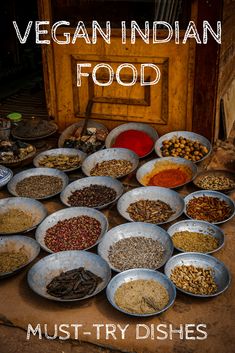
(211, 206)
(169, 172)
(138, 137)
(75, 228)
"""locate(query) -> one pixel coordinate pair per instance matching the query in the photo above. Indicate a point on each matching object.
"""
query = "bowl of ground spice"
(141, 292)
(96, 192)
(137, 137)
(135, 245)
(151, 204)
(196, 236)
(38, 183)
(16, 252)
(199, 275)
(20, 214)
(216, 180)
(210, 206)
(75, 228)
(169, 172)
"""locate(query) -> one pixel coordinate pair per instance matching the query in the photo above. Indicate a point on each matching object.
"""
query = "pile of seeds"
(11, 260)
(136, 252)
(74, 284)
(92, 196)
(195, 242)
(15, 220)
(197, 280)
(141, 296)
(151, 211)
(115, 168)
(208, 208)
(216, 182)
(60, 161)
(76, 233)
(39, 186)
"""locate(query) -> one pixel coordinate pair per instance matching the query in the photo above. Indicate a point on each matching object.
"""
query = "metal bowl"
(30, 206)
(140, 274)
(202, 227)
(171, 197)
(41, 274)
(211, 193)
(37, 171)
(110, 139)
(223, 173)
(5, 175)
(188, 135)
(220, 272)
(149, 166)
(85, 182)
(16, 243)
(137, 229)
(60, 151)
(68, 213)
(109, 154)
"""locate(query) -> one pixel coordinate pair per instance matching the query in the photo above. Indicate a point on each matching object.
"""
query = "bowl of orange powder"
(168, 172)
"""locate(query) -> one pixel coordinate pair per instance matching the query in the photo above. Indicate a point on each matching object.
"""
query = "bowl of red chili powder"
(137, 137)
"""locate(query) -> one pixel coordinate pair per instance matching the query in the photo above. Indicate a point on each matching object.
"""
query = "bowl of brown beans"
(96, 192)
(113, 162)
(210, 206)
(216, 180)
(75, 228)
(16, 252)
(184, 144)
(198, 275)
(151, 204)
(196, 236)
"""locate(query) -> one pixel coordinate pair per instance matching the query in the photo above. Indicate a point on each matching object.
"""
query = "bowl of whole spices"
(20, 214)
(135, 245)
(16, 252)
(217, 180)
(75, 228)
(96, 192)
(38, 183)
(197, 274)
(69, 276)
(151, 204)
(113, 162)
(169, 172)
(196, 236)
(211, 206)
(65, 159)
(141, 292)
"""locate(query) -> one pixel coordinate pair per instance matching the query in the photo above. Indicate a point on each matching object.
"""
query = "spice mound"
(92, 196)
(15, 220)
(185, 148)
(74, 284)
(61, 162)
(11, 260)
(195, 242)
(150, 211)
(214, 182)
(197, 280)
(76, 233)
(136, 252)
(207, 208)
(115, 168)
(39, 186)
(141, 297)
(167, 175)
(138, 141)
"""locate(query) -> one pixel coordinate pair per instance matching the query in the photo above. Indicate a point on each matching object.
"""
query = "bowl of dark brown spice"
(38, 183)
(151, 204)
(216, 180)
(96, 192)
(69, 276)
(199, 275)
(16, 252)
